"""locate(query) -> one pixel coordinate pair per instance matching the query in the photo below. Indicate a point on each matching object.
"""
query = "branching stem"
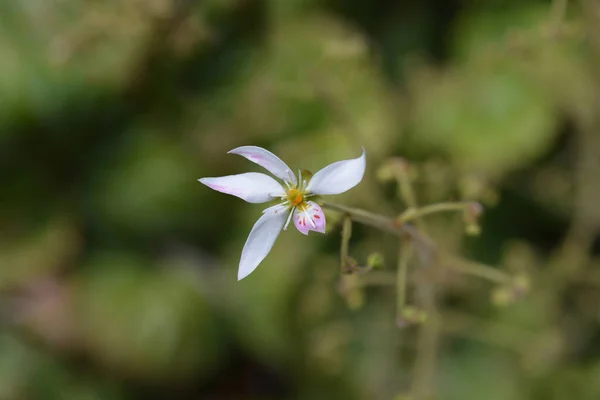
(422, 244)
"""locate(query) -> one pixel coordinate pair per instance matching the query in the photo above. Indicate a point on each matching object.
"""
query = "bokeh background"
(118, 269)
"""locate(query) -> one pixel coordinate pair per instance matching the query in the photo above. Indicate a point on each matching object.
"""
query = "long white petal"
(267, 160)
(261, 239)
(338, 177)
(252, 186)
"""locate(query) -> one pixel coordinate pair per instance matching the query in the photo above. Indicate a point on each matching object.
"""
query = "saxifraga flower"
(293, 196)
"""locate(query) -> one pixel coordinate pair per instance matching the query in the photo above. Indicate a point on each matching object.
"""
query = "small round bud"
(471, 215)
(411, 315)
(472, 229)
(375, 260)
(475, 209)
(473, 212)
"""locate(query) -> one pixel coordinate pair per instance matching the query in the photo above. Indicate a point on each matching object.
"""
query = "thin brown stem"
(424, 246)
(427, 345)
(405, 188)
(480, 270)
(412, 214)
(404, 254)
(381, 222)
(346, 235)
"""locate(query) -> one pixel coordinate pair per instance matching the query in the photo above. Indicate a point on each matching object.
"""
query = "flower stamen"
(291, 177)
(289, 218)
(312, 222)
(295, 197)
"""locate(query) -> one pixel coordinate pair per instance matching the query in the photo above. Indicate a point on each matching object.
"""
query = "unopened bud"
(411, 315)
(473, 229)
(511, 292)
(472, 213)
(375, 260)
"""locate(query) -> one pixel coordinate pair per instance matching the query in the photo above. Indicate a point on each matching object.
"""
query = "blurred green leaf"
(146, 186)
(143, 321)
(486, 121)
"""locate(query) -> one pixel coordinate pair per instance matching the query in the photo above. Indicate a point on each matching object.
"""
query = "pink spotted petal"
(309, 218)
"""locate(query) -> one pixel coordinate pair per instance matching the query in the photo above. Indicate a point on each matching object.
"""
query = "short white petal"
(267, 160)
(338, 177)
(261, 239)
(252, 186)
(309, 218)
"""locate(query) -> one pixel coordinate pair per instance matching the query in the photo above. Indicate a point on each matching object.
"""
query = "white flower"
(293, 198)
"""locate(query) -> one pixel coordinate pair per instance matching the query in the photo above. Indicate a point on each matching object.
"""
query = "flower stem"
(480, 270)
(404, 254)
(406, 191)
(377, 221)
(415, 213)
(423, 245)
(346, 235)
(405, 188)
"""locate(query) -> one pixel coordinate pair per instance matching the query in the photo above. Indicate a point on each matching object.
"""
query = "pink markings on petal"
(219, 188)
(309, 218)
(267, 160)
(250, 186)
(224, 189)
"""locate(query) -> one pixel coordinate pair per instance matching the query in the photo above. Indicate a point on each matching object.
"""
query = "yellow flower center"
(295, 197)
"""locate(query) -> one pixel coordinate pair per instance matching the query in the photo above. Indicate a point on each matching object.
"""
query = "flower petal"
(309, 218)
(252, 186)
(338, 177)
(261, 239)
(267, 160)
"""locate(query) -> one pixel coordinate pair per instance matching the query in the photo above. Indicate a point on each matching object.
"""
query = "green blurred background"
(118, 269)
